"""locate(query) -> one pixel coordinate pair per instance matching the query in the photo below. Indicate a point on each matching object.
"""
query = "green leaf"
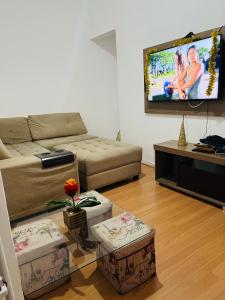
(59, 203)
(88, 203)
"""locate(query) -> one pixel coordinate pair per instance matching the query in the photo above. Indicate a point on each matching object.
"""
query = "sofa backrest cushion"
(14, 130)
(55, 125)
(4, 153)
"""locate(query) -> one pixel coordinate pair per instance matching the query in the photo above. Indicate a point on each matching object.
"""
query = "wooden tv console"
(201, 175)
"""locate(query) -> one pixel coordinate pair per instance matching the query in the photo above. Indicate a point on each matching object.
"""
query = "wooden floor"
(190, 247)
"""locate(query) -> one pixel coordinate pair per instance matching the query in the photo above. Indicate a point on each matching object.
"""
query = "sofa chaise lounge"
(100, 161)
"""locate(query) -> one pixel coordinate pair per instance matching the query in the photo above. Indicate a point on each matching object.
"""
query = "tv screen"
(181, 73)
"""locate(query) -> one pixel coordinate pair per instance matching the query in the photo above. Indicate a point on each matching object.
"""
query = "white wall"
(48, 64)
(140, 24)
(102, 16)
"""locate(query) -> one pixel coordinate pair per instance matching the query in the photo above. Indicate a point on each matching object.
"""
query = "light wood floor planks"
(190, 247)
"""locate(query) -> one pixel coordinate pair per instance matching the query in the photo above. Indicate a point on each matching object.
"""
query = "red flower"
(71, 187)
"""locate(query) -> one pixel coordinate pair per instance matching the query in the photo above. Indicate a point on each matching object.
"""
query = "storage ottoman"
(98, 213)
(95, 215)
(42, 257)
(126, 252)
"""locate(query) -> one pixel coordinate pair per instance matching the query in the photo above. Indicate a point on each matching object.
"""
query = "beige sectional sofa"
(100, 161)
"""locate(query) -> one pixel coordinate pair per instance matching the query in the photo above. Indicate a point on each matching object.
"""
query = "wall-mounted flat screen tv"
(182, 72)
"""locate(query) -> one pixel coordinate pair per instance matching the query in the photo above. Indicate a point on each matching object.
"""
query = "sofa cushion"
(50, 143)
(14, 130)
(100, 154)
(55, 125)
(26, 149)
(13, 152)
(4, 152)
(99, 180)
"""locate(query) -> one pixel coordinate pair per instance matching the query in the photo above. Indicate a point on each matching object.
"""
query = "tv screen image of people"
(182, 72)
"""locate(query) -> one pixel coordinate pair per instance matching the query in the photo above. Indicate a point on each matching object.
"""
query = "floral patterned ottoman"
(95, 214)
(126, 251)
(42, 256)
(98, 213)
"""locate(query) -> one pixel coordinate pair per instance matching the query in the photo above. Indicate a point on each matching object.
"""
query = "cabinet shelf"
(197, 174)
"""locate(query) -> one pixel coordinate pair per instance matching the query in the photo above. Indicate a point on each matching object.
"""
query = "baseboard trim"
(148, 163)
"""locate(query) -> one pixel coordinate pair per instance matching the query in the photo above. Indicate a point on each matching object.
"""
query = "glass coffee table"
(132, 232)
(79, 257)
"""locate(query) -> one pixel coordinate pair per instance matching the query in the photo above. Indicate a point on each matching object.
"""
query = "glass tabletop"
(111, 236)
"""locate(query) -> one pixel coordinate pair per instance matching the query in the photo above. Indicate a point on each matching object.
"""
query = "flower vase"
(76, 221)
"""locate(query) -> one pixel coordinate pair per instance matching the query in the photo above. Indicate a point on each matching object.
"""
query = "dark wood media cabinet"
(201, 175)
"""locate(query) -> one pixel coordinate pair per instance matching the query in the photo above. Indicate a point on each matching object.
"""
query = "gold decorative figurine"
(182, 136)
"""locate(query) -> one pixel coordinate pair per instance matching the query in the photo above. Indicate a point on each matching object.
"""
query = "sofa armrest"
(28, 187)
(21, 161)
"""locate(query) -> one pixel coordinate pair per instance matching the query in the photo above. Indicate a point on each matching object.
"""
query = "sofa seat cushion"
(50, 143)
(55, 125)
(25, 149)
(14, 130)
(4, 152)
(100, 154)
(13, 152)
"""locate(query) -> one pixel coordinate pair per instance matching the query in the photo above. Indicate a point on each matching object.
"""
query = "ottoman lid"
(97, 210)
(120, 231)
(36, 239)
